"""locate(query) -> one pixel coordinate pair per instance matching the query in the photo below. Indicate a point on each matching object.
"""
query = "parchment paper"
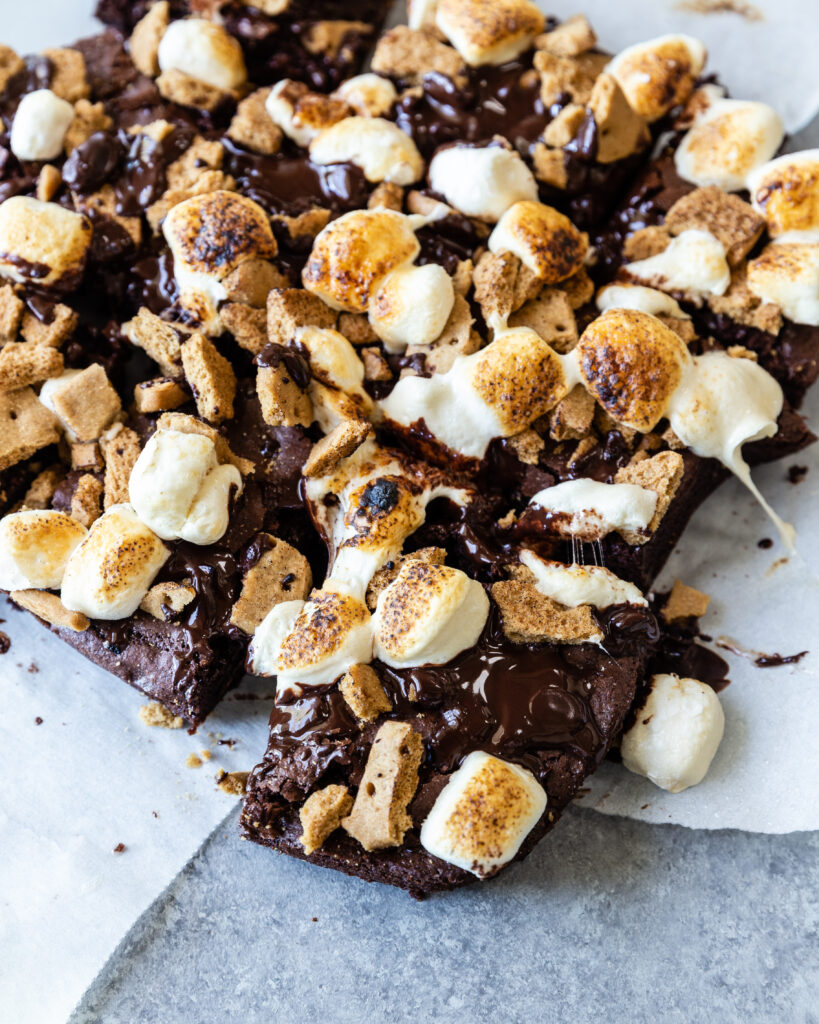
(91, 776)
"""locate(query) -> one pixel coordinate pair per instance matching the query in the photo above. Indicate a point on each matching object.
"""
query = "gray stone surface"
(608, 920)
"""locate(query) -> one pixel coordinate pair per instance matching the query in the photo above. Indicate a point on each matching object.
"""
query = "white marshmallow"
(369, 95)
(727, 142)
(40, 125)
(282, 112)
(489, 31)
(333, 360)
(594, 509)
(428, 615)
(35, 232)
(693, 263)
(179, 490)
(203, 50)
(657, 74)
(483, 814)
(573, 585)
(111, 571)
(637, 296)
(786, 192)
(378, 147)
(676, 735)
(48, 392)
(412, 306)
(421, 13)
(481, 182)
(35, 546)
(786, 273)
(264, 648)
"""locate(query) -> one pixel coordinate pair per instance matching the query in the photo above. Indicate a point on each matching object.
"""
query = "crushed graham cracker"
(59, 329)
(157, 338)
(571, 37)
(341, 442)
(283, 402)
(252, 126)
(357, 329)
(620, 129)
(120, 452)
(291, 308)
(89, 118)
(50, 609)
(728, 218)
(531, 617)
(573, 416)
(232, 783)
(186, 424)
(685, 602)
(177, 87)
(87, 403)
(384, 576)
(11, 313)
(321, 815)
(68, 78)
(252, 281)
(159, 395)
(551, 316)
(410, 54)
(23, 363)
(42, 487)
(211, 378)
(281, 573)
(86, 499)
(26, 426)
(146, 36)
(363, 691)
(157, 716)
(662, 473)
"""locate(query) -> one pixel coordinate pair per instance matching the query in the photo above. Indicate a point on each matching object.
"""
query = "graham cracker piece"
(211, 378)
(89, 118)
(87, 403)
(282, 573)
(62, 325)
(148, 32)
(48, 183)
(572, 417)
(22, 363)
(341, 442)
(103, 203)
(579, 288)
(379, 816)
(550, 166)
(177, 87)
(685, 603)
(87, 455)
(42, 487)
(306, 224)
(362, 689)
(386, 196)
(741, 352)
(291, 308)
(376, 367)
(562, 129)
(191, 425)
(252, 126)
(742, 306)
(527, 446)
(157, 716)
(410, 54)
(164, 601)
(157, 338)
(662, 473)
(728, 218)
(159, 395)
(252, 281)
(26, 426)
(620, 129)
(357, 329)
(328, 36)
(232, 783)
(462, 277)
(502, 285)
(550, 315)
(120, 452)
(322, 814)
(283, 402)
(531, 617)
(68, 79)
(247, 324)
(85, 502)
(202, 154)
(11, 313)
(646, 242)
(682, 327)
(586, 445)
(572, 37)
(457, 339)
(387, 573)
(50, 609)
(10, 64)
(563, 76)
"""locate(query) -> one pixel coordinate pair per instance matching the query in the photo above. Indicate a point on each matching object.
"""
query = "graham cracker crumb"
(457, 339)
(283, 402)
(562, 76)
(685, 603)
(89, 118)
(252, 281)
(22, 363)
(387, 196)
(10, 64)
(157, 338)
(42, 488)
(63, 324)
(282, 573)
(376, 366)
(103, 204)
(180, 88)
(527, 446)
(728, 218)
(532, 617)
(741, 305)
(159, 717)
(329, 36)
(322, 814)
(572, 417)
(145, 39)
(211, 378)
(562, 129)
(85, 502)
(550, 315)
(357, 328)
(164, 601)
(193, 761)
(252, 126)
(662, 473)
(362, 690)
(247, 325)
(306, 224)
(741, 352)
(50, 609)
(291, 308)
(550, 166)
(497, 290)
(48, 183)
(202, 154)
(620, 130)
(232, 783)
(68, 79)
(87, 455)
(11, 313)
(572, 37)
(26, 426)
(410, 54)
(87, 403)
(645, 243)
(462, 277)
(159, 395)
(341, 442)
(120, 452)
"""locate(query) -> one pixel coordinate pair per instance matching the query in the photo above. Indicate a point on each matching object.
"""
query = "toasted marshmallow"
(573, 585)
(378, 147)
(727, 142)
(111, 571)
(412, 306)
(205, 51)
(369, 95)
(489, 31)
(632, 363)
(302, 114)
(637, 296)
(41, 242)
(676, 734)
(694, 263)
(210, 235)
(496, 392)
(34, 548)
(39, 126)
(333, 360)
(543, 240)
(179, 490)
(427, 615)
(786, 192)
(481, 182)
(658, 74)
(787, 274)
(263, 653)
(483, 814)
(354, 253)
(421, 13)
(589, 510)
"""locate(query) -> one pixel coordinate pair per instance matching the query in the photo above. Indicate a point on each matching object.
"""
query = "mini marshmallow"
(41, 242)
(354, 253)
(787, 274)
(378, 147)
(658, 74)
(637, 296)
(489, 31)
(676, 734)
(693, 263)
(574, 585)
(544, 240)
(265, 646)
(333, 360)
(428, 615)
(40, 125)
(369, 95)
(412, 306)
(178, 488)
(421, 13)
(481, 182)
(301, 114)
(112, 570)
(589, 509)
(205, 51)
(727, 142)
(786, 192)
(481, 817)
(35, 546)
